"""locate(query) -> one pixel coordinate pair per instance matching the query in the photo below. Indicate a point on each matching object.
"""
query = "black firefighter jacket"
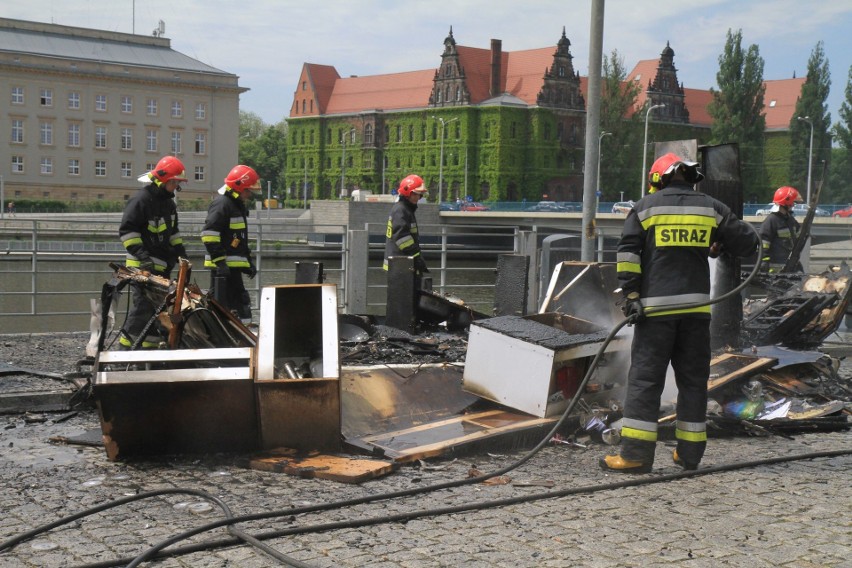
(778, 234)
(225, 233)
(403, 238)
(149, 229)
(663, 249)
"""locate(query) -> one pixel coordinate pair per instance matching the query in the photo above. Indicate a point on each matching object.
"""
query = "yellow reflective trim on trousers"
(689, 436)
(628, 267)
(638, 434)
(651, 311)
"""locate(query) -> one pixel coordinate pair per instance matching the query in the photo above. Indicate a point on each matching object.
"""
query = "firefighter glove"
(252, 269)
(222, 269)
(633, 309)
(420, 265)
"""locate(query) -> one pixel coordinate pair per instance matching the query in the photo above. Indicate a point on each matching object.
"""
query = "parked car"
(550, 206)
(472, 206)
(765, 210)
(622, 207)
(800, 210)
(449, 206)
(845, 212)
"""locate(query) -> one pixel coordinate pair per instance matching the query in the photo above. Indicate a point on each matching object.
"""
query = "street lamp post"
(444, 123)
(810, 154)
(598, 188)
(305, 186)
(645, 147)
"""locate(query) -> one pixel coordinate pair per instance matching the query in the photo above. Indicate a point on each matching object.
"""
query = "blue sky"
(266, 42)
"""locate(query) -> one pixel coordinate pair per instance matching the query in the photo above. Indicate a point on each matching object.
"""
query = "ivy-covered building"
(486, 123)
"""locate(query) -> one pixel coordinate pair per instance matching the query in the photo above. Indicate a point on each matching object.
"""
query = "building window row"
(102, 139)
(46, 167)
(101, 103)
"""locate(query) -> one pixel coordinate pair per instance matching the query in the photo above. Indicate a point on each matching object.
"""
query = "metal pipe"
(810, 156)
(645, 147)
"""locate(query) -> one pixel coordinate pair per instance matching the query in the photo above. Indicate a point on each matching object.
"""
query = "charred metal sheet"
(512, 285)
(555, 331)
(585, 291)
(433, 309)
(377, 399)
(299, 413)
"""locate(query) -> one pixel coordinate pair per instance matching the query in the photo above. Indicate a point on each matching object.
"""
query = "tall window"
(368, 134)
(17, 131)
(100, 168)
(17, 164)
(200, 142)
(46, 97)
(176, 147)
(199, 173)
(73, 167)
(47, 166)
(73, 100)
(101, 103)
(151, 107)
(200, 111)
(177, 109)
(126, 169)
(46, 133)
(100, 137)
(17, 95)
(74, 135)
(126, 138)
(126, 104)
(151, 140)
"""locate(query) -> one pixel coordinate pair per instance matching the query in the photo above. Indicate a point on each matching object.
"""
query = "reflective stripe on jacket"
(663, 249)
(225, 232)
(403, 238)
(778, 234)
(149, 229)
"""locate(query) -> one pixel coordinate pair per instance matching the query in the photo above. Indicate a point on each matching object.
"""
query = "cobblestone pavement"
(795, 513)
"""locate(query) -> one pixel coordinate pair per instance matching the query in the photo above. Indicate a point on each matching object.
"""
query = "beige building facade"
(84, 112)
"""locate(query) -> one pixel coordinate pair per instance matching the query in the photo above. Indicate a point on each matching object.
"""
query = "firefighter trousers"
(235, 296)
(685, 343)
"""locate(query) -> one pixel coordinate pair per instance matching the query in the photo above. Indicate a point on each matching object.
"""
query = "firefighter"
(662, 263)
(779, 231)
(150, 234)
(225, 236)
(403, 238)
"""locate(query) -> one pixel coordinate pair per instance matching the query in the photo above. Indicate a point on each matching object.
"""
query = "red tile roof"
(522, 75)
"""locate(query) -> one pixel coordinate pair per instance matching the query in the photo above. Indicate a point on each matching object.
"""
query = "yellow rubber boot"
(621, 465)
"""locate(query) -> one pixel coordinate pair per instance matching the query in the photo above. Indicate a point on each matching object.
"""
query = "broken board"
(436, 438)
(320, 466)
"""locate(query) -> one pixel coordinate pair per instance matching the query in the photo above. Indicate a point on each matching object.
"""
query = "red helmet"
(239, 179)
(168, 168)
(412, 184)
(786, 196)
(666, 165)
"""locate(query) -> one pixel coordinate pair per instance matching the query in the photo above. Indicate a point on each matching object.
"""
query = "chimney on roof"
(496, 58)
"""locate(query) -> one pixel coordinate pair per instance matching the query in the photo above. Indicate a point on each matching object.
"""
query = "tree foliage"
(618, 103)
(264, 148)
(737, 109)
(811, 104)
(839, 185)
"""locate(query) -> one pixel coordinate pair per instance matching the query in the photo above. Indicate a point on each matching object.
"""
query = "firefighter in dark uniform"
(225, 236)
(779, 231)
(403, 238)
(663, 270)
(150, 234)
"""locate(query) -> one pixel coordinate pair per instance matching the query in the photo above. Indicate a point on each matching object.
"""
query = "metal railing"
(51, 268)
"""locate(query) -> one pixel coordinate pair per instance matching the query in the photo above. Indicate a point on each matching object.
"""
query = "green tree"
(737, 109)
(264, 148)
(839, 185)
(811, 104)
(618, 100)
